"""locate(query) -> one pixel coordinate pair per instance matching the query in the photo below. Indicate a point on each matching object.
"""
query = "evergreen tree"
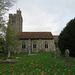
(67, 38)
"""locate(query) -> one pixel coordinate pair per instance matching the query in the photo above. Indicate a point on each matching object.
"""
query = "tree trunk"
(8, 53)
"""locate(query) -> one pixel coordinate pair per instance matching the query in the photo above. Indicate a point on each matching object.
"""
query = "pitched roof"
(35, 35)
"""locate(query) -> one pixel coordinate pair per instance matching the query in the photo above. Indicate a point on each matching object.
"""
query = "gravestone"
(67, 58)
(58, 54)
(12, 59)
(52, 55)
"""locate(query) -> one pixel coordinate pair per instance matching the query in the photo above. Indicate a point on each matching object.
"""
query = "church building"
(31, 42)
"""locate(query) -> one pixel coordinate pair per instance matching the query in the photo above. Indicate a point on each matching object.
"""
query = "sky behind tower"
(45, 15)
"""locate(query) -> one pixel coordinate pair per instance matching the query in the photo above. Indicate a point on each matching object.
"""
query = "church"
(30, 42)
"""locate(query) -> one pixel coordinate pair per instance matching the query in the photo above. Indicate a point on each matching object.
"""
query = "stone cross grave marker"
(67, 58)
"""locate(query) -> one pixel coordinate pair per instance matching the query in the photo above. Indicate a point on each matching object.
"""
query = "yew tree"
(67, 38)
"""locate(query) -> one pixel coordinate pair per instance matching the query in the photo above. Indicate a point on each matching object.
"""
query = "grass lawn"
(40, 64)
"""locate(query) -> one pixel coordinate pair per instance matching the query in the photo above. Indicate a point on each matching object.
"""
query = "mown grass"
(40, 64)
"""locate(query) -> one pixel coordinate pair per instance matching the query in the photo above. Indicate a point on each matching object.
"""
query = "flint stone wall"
(40, 45)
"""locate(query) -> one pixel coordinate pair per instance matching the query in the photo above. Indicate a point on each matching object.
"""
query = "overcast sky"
(45, 15)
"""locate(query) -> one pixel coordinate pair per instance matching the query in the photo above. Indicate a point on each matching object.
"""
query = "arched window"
(23, 45)
(34, 45)
(46, 45)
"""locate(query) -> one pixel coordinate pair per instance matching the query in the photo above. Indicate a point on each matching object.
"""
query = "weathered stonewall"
(67, 58)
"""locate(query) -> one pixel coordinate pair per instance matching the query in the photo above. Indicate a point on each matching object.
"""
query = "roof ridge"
(35, 35)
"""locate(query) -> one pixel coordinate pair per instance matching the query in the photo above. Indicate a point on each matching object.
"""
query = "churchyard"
(39, 64)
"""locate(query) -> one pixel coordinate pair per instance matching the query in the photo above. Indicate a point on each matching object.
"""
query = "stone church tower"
(15, 21)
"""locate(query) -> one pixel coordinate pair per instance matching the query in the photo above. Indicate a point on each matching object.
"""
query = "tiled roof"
(35, 35)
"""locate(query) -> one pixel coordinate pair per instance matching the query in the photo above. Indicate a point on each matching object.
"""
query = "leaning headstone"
(58, 55)
(67, 58)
